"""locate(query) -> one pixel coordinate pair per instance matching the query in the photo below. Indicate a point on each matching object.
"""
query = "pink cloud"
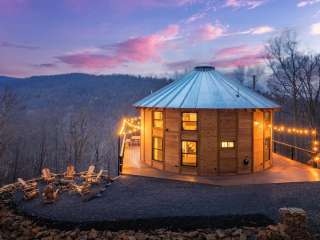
(209, 32)
(89, 60)
(240, 50)
(250, 4)
(244, 61)
(242, 55)
(139, 49)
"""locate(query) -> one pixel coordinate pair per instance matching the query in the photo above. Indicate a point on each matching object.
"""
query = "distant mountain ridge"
(78, 89)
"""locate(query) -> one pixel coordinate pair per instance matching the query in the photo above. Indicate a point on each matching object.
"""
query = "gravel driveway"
(132, 197)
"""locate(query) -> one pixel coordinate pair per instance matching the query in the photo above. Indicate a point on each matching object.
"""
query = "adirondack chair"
(89, 174)
(70, 173)
(30, 189)
(96, 179)
(50, 195)
(82, 189)
(47, 176)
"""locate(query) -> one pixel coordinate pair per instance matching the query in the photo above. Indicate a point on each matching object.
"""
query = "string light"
(130, 125)
(298, 131)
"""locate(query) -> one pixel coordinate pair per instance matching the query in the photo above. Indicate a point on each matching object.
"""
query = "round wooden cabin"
(206, 124)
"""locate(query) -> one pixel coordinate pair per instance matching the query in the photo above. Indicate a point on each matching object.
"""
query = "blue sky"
(145, 36)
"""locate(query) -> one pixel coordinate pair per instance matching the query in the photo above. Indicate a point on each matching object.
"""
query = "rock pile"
(292, 226)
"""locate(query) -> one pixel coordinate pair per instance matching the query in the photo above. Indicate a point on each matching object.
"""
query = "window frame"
(197, 122)
(157, 149)
(182, 153)
(153, 119)
(227, 142)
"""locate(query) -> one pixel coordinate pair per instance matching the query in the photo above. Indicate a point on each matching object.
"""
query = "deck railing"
(291, 151)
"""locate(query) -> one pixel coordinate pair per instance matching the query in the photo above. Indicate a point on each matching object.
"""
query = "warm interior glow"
(189, 153)
(157, 119)
(157, 148)
(227, 144)
(189, 121)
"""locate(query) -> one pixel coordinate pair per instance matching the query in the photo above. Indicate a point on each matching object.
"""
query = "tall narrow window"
(189, 121)
(189, 153)
(157, 119)
(157, 148)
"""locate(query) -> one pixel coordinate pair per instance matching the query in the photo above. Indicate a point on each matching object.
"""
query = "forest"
(52, 121)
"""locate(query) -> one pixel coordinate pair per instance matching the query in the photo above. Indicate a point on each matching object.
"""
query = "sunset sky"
(145, 36)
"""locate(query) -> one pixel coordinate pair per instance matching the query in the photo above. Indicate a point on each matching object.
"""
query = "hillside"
(70, 118)
(103, 92)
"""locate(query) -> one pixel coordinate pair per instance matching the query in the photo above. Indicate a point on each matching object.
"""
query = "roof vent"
(204, 68)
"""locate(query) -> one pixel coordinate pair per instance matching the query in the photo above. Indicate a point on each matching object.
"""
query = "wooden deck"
(284, 170)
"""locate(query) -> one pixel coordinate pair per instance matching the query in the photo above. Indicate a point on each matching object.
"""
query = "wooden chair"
(96, 179)
(30, 189)
(82, 189)
(70, 173)
(49, 194)
(89, 174)
(47, 176)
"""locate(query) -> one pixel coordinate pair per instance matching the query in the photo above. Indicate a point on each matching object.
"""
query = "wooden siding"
(172, 140)
(214, 126)
(228, 131)
(245, 123)
(257, 141)
(142, 136)
(148, 136)
(208, 146)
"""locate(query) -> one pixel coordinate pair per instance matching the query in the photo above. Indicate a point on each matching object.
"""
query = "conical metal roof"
(205, 88)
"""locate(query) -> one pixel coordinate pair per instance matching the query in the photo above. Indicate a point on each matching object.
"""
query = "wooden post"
(292, 153)
(119, 156)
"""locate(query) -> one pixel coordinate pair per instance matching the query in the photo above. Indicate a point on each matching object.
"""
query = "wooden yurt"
(206, 124)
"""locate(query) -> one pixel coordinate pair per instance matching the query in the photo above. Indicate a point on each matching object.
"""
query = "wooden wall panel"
(228, 129)
(245, 131)
(172, 140)
(208, 152)
(267, 135)
(258, 141)
(142, 136)
(148, 136)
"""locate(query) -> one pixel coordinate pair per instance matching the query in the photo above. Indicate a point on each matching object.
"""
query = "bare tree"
(240, 74)
(8, 107)
(309, 76)
(283, 59)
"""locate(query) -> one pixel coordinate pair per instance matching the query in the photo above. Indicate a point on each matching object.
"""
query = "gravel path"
(132, 197)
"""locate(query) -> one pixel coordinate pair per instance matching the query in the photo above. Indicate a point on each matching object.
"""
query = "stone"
(237, 232)
(211, 236)
(243, 236)
(220, 233)
(93, 234)
(140, 236)
(192, 234)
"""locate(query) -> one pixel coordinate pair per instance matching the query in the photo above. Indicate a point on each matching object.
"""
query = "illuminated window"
(157, 119)
(228, 144)
(189, 121)
(157, 149)
(189, 153)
